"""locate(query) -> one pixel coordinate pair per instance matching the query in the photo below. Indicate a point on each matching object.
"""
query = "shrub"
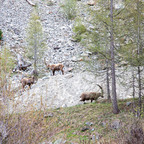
(69, 8)
(50, 3)
(136, 134)
(79, 29)
(0, 34)
(132, 133)
(6, 61)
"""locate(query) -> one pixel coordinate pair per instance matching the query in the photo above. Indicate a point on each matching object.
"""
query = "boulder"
(48, 115)
(89, 123)
(116, 124)
(128, 103)
(91, 2)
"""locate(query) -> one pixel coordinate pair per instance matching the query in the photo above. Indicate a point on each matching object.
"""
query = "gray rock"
(48, 115)
(88, 52)
(84, 55)
(70, 69)
(60, 141)
(45, 142)
(69, 75)
(58, 107)
(15, 37)
(116, 124)
(92, 129)
(16, 31)
(103, 124)
(64, 105)
(89, 123)
(128, 103)
(84, 129)
(75, 59)
(72, 48)
(93, 139)
(74, 40)
(45, 78)
(97, 137)
(91, 2)
(56, 48)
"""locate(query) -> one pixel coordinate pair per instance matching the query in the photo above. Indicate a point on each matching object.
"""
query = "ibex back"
(55, 67)
(91, 95)
(27, 81)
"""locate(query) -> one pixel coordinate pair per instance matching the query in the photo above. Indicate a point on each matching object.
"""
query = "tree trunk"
(139, 52)
(114, 99)
(139, 87)
(133, 85)
(21, 64)
(107, 78)
(35, 52)
(20, 60)
(35, 58)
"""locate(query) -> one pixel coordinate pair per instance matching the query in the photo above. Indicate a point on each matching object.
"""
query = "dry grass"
(67, 123)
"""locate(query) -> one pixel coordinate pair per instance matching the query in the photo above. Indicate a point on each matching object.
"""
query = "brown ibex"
(91, 95)
(55, 67)
(27, 81)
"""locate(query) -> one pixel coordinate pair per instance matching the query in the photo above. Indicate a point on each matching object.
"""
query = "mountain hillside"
(59, 90)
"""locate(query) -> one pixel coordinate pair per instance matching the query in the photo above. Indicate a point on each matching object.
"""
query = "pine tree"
(69, 8)
(6, 65)
(0, 34)
(100, 40)
(131, 47)
(35, 39)
(114, 94)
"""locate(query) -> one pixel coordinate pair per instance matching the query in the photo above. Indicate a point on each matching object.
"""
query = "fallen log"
(24, 67)
(21, 64)
(29, 2)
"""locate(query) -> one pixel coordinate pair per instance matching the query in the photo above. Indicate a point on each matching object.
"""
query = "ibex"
(91, 95)
(55, 67)
(27, 81)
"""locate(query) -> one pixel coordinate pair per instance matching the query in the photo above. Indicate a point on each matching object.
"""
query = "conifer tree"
(114, 94)
(131, 31)
(100, 40)
(6, 65)
(35, 38)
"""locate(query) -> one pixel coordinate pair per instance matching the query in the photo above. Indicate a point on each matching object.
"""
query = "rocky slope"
(14, 20)
(56, 91)
(63, 90)
(50, 91)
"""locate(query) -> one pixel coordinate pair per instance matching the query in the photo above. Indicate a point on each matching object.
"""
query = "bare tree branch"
(29, 2)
